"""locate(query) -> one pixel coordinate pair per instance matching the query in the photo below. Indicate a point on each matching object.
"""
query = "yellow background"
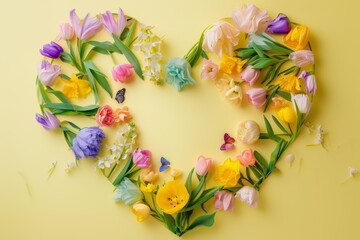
(313, 199)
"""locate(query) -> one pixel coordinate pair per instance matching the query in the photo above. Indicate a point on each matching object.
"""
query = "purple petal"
(43, 121)
(75, 22)
(226, 146)
(121, 21)
(54, 122)
(90, 27)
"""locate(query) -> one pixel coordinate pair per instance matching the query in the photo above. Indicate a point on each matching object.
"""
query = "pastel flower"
(278, 102)
(228, 173)
(105, 116)
(48, 122)
(288, 82)
(250, 19)
(230, 65)
(222, 37)
(303, 103)
(141, 211)
(87, 142)
(209, 69)
(175, 172)
(247, 158)
(109, 22)
(87, 28)
(250, 75)
(248, 195)
(286, 114)
(310, 82)
(51, 50)
(178, 73)
(47, 73)
(302, 58)
(203, 165)
(127, 192)
(148, 175)
(122, 72)
(248, 132)
(224, 200)
(76, 87)
(290, 158)
(231, 89)
(172, 197)
(147, 187)
(122, 115)
(297, 38)
(256, 96)
(141, 158)
(280, 25)
(102, 164)
(66, 31)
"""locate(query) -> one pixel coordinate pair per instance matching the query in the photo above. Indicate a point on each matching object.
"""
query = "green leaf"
(123, 172)
(248, 176)
(69, 109)
(129, 56)
(262, 161)
(44, 96)
(204, 220)
(245, 53)
(205, 196)
(170, 222)
(99, 76)
(198, 188)
(124, 34)
(264, 62)
(98, 50)
(258, 50)
(108, 46)
(284, 95)
(128, 39)
(66, 57)
(188, 183)
(278, 47)
(256, 172)
(275, 155)
(198, 51)
(280, 126)
(59, 95)
(74, 125)
(204, 55)
(64, 76)
(91, 80)
(268, 127)
(270, 97)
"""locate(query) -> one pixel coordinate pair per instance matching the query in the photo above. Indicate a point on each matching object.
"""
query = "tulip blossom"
(203, 165)
(248, 195)
(302, 101)
(297, 38)
(257, 96)
(47, 73)
(87, 28)
(310, 82)
(122, 72)
(224, 200)
(48, 122)
(141, 211)
(280, 25)
(112, 26)
(250, 75)
(66, 31)
(251, 19)
(302, 58)
(52, 50)
(141, 158)
(172, 197)
(247, 158)
(222, 37)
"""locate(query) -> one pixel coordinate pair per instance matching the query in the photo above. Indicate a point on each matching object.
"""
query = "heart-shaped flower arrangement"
(277, 77)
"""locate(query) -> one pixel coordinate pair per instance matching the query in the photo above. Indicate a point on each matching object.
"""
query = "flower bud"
(302, 101)
(247, 158)
(203, 165)
(286, 114)
(248, 195)
(175, 172)
(142, 158)
(141, 211)
(224, 200)
(66, 31)
(280, 25)
(122, 72)
(248, 132)
(256, 96)
(250, 75)
(52, 50)
(302, 58)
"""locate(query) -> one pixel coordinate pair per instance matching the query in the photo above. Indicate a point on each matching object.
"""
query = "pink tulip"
(251, 19)
(247, 158)
(203, 165)
(142, 158)
(224, 200)
(256, 96)
(302, 58)
(122, 72)
(249, 75)
(66, 31)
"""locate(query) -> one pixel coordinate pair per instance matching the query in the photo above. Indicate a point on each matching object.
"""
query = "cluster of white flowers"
(150, 45)
(121, 149)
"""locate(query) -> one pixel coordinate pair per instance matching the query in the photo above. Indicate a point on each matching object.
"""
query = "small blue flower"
(87, 143)
(127, 192)
(178, 73)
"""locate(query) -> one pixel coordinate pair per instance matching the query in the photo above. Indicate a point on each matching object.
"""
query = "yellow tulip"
(228, 174)
(286, 114)
(75, 87)
(141, 211)
(172, 197)
(297, 38)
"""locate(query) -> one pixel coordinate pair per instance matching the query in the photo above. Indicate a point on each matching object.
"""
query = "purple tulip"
(87, 143)
(114, 27)
(310, 82)
(52, 50)
(47, 73)
(48, 121)
(279, 25)
(88, 28)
